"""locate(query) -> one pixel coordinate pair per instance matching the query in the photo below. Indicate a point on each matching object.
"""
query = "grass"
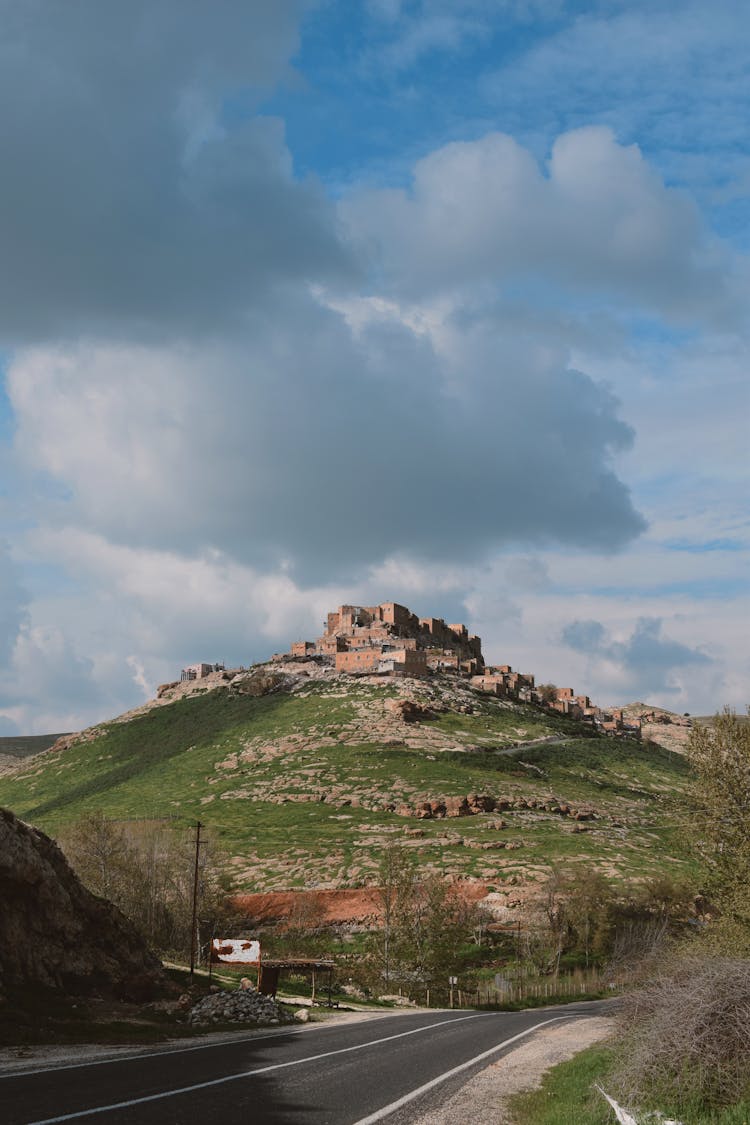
(215, 757)
(567, 1097)
(36, 1015)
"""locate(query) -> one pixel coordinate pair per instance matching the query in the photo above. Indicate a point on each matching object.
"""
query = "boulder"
(260, 683)
(457, 806)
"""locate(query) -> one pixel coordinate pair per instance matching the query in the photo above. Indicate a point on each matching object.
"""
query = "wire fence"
(513, 992)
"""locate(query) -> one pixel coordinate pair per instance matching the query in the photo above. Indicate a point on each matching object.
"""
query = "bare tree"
(147, 870)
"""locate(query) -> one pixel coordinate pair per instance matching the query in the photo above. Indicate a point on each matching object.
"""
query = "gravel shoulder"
(488, 1093)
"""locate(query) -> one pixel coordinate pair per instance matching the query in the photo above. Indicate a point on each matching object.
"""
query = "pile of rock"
(243, 1006)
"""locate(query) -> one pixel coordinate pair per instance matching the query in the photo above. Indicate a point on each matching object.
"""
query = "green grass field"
(295, 786)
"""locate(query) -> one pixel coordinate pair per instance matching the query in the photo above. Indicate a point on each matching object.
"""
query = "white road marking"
(166, 1050)
(247, 1073)
(389, 1109)
(22, 1072)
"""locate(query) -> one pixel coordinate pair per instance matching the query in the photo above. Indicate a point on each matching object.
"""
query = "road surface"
(391, 1069)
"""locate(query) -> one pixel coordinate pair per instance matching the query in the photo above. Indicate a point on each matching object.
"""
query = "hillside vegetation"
(305, 779)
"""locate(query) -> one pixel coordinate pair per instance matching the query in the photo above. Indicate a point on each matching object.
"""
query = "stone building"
(389, 637)
(199, 671)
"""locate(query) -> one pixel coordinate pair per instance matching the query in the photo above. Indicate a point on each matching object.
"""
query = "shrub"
(686, 1036)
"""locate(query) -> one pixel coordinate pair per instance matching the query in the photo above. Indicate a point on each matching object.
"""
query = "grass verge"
(567, 1097)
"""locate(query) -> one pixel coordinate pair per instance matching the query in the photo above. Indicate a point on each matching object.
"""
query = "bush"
(686, 1036)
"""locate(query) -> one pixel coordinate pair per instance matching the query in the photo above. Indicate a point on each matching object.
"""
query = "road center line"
(249, 1073)
(387, 1110)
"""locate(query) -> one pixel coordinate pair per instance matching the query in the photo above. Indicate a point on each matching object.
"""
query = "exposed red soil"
(333, 907)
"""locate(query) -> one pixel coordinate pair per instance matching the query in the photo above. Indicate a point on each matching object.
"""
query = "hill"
(303, 774)
(665, 728)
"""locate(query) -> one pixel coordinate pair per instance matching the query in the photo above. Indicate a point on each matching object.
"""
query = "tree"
(547, 692)
(147, 870)
(104, 861)
(719, 754)
(426, 922)
(397, 879)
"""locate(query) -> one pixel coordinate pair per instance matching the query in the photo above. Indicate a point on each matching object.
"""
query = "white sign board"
(235, 951)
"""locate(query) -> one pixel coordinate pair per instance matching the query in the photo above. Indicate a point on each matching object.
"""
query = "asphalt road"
(391, 1069)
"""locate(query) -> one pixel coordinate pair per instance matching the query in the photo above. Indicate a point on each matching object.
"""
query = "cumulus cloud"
(238, 402)
(648, 659)
(597, 219)
(174, 602)
(132, 200)
(46, 684)
(305, 443)
(14, 616)
(671, 77)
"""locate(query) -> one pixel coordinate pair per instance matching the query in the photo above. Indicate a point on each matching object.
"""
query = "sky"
(442, 302)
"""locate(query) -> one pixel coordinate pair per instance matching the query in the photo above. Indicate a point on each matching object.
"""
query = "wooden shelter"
(271, 970)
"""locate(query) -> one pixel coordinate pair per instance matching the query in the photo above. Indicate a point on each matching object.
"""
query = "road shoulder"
(484, 1098)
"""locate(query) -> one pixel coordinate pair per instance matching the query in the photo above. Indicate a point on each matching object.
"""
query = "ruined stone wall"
(358, 660)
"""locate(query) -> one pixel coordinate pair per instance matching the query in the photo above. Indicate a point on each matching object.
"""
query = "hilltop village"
(389, 640)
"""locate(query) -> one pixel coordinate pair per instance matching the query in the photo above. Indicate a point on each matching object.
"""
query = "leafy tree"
(301, 934)
(589, 899)
(397, 880)
(426, 925)
(720, 757)
(547, 692)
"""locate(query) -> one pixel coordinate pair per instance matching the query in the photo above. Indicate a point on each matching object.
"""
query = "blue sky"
(441, 302)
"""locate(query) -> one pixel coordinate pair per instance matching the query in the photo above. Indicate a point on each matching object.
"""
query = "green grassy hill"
(300, 784)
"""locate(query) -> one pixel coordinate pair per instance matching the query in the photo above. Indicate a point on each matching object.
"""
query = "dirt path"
(484, 1100)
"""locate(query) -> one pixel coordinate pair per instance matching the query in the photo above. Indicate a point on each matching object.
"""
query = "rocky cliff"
(55, 933)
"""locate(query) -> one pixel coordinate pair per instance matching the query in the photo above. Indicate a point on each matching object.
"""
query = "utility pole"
(194, 924)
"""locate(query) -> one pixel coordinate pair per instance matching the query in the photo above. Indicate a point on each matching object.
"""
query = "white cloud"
(238, 404)
(600, 221)
(303, 443)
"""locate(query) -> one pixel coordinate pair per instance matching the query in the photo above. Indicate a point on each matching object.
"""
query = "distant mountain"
(14, 747)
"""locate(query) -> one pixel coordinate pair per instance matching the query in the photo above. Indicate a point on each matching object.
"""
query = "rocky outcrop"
(163, 689)
(411, 710)
(55, 933)
(261, 682)
(436, 808)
